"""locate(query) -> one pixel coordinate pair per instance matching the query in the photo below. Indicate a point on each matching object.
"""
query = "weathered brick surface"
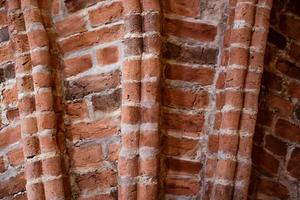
(132, 99)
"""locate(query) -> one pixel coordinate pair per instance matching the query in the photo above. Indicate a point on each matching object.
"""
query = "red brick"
(38, 38)
(294, 90)
(106, 14)
(88, 39)
(12, 114)
(180, 146)
(70, 25)
(52, 166)
(275, 145)
(15, 157)
(181, 122)
(92, 130)
(55, 6)
(150, 115)
(2, 165)
(101, 196)
(295, 51)
(265, 161)
(54, 189)
(149, 139)
(91, 181)
(128, 166)
(12, 186)
(108, 55)
(274, 189)
(288, 69)
(131, 114)
(77, 65)
(148, 166)
(150, 91)
(113, 151)
(288, 131)
(9, 136)
(185, 8)
(10, 95)
(107, 102)
(44, 101)
(277, 103)
(203, 76)
(46, 121)
(6, 53)
(25, 83)
(3, 18)
(290, 26)
(86, 156)
(147, 191)
(182, 186)
(94, 83)
(178, 166)
(173, 97)
(75, 5)
(76, 110)
(151, 22)
(198, 31)
(33, 169)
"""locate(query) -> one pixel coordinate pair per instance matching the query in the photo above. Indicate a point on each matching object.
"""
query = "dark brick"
(75, 5)
(264, 161)
(293, 6)
(273, 189)
(4, 36)
(189, 54)
(290, 26)
(297, 112)
(183, 166)
(275, 145)
(277, 7)
(2, 78)
(276, 38)
(9, 71)
(295, 51)
(288, 69)
(107, 102)
(89, 84)
(271, 81)
(294, 164)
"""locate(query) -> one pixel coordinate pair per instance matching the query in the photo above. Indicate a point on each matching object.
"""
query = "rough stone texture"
(149, 99)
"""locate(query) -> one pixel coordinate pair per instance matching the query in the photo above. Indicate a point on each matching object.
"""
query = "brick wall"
(89, 38)
(275, 173)
(148, 99)
(11, 155)
(192, 36)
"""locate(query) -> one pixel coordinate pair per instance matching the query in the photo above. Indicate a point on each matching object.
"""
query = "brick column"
(138, 159)
(150, 102)
(131, 95)
(35, 101)
(242, 83)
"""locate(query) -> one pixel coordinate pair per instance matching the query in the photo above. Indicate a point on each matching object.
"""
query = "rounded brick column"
(248, 36)
(139, 155)
(35, 101)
